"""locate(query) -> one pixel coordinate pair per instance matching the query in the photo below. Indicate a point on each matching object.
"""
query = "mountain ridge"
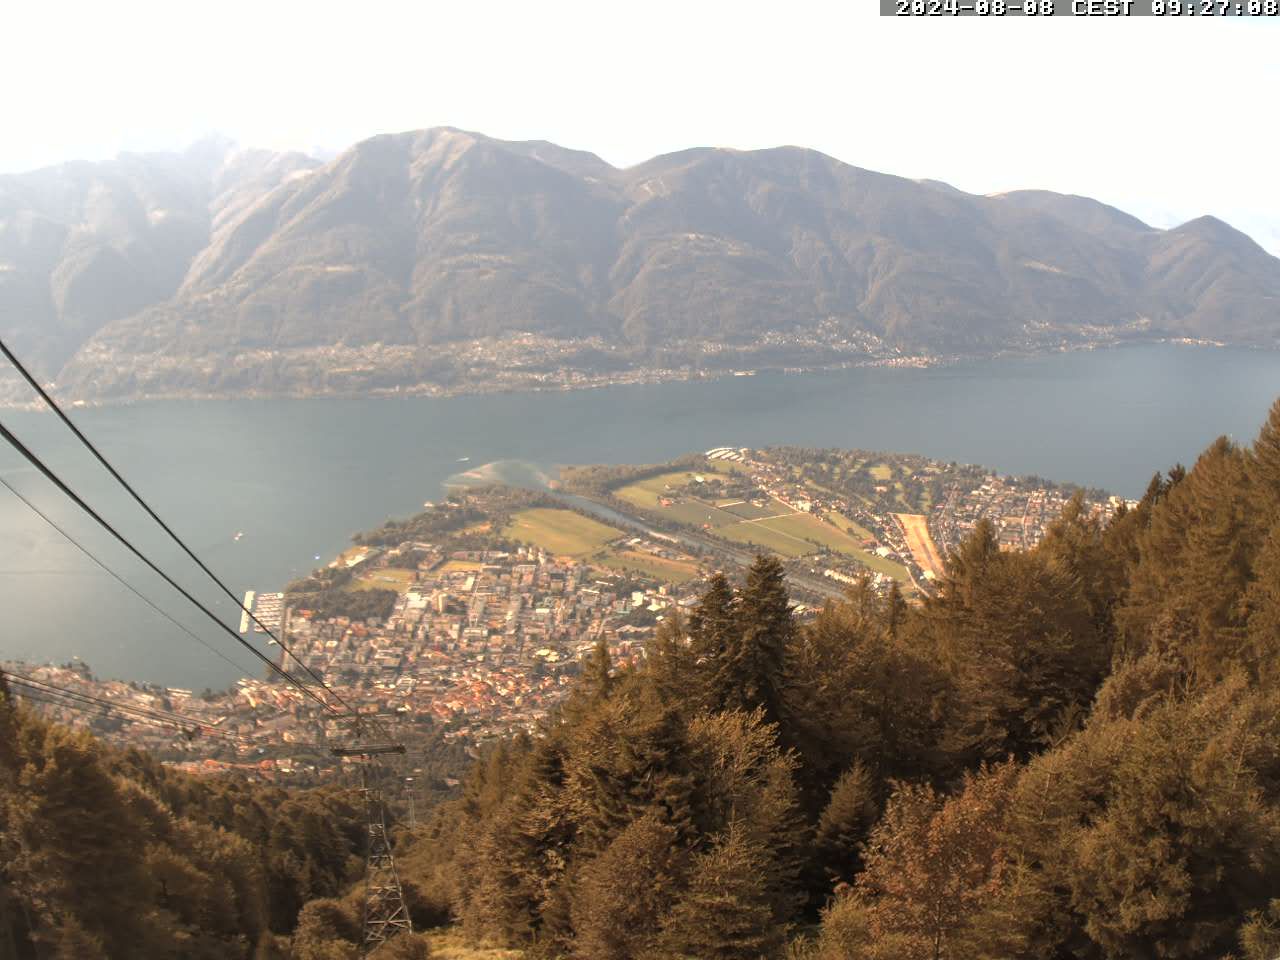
(221, 269)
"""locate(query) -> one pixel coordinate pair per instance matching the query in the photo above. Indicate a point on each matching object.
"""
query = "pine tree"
(747, 778)
(671, 665)
(967, 566)
(725, 913)
(629, 757)
(714, 620)
(750, 670)
(895, 610)
(845, 822)
(1264, 468)
(622, 895)
(858, 687)
(1075, 544)
(543, 841)
(1014, 636)
(597, 674)
(405, 946)
(499, 901)
(490, 780)
(1194, 561)
(1186, 844)
(1262, 609)
(714, 630)
(832, 673)
(68, 940)
(328, 929)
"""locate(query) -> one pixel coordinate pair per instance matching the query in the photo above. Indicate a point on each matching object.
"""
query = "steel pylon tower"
(410, 793)
(385, 913)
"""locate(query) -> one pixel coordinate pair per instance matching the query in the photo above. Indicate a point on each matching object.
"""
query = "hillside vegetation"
(106, 854)
(1066, 753)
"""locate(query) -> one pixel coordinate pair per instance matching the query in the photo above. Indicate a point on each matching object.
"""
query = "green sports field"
(561, 532)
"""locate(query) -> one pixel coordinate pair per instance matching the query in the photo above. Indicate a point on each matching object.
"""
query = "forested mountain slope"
(107, 855)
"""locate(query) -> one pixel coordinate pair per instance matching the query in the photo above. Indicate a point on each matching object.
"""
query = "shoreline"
(582, 380)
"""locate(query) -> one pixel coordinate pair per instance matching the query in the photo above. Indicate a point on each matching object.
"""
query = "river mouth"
(524, 474)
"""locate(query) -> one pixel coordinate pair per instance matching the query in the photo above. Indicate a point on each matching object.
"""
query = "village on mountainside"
(469, 621)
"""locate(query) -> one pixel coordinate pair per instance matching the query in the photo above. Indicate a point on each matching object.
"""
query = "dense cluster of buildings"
(1020, 513)
(482, 641)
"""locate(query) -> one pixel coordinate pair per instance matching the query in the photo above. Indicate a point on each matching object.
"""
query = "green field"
(900, 496)
(697, 513)
(385, 578)
(646, 493)
(765, 538)
(790, 535)
(460, 566)
(814, 529)
(646, 564)
(805, 527)
(799, 534)
(844, 522)
(726, 467)
(561, 532)
(749, 511)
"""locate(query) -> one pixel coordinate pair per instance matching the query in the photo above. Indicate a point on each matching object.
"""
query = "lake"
(297, 477)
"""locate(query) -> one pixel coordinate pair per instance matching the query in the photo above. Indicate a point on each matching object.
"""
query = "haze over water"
(298, 477)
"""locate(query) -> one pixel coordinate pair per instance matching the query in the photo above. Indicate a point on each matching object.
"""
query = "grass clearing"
(804, 527)
(697, 513)
(645, 493)
(648, 565)
(562, 532)
(766, 538)
(845, 523)
(726, 467)
(749, 511)
(881, 471)
(448, 944)
(649, 492)
(461, 566)
(808, 528)
(385, 578)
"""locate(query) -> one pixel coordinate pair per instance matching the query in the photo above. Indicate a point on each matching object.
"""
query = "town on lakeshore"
(469, 621)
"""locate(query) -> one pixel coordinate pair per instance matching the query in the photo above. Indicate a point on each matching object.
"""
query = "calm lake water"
(297, 478)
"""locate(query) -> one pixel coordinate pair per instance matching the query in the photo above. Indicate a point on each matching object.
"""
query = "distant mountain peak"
(1218, 231)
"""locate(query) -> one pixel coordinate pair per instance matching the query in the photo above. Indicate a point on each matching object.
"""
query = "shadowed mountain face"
(148, 271)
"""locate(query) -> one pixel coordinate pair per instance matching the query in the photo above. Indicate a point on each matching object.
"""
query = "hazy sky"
(1168, 119)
